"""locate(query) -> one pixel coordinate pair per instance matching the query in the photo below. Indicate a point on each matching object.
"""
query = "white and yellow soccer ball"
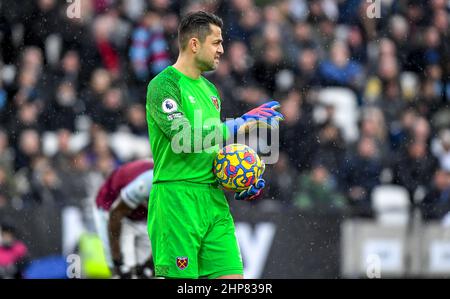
(237, 167)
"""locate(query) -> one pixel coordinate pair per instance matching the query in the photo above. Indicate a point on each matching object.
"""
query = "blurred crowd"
(73, 88)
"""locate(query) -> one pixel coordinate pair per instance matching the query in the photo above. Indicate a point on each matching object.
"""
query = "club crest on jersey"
(169, 106)
(215, 101)
(182, 262)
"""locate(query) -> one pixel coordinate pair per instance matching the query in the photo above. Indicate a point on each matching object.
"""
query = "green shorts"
(192, 231)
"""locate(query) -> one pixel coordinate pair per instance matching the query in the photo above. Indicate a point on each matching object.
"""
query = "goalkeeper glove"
(255, 190)
(263, 116)
(252, 193)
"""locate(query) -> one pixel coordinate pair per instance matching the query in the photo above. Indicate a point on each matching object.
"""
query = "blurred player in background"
(190, 224)
(121, 220)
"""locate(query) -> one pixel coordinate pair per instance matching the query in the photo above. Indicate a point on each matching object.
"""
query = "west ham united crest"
(182, 262)
(215, 101)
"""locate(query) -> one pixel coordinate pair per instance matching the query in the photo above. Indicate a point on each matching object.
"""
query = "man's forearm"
(114, 228)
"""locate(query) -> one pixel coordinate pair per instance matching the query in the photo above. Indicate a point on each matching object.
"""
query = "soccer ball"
(237, 167)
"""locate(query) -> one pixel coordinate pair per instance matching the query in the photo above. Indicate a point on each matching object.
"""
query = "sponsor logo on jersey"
(182, 262)
(169, 106)
(174, 115)
(215, 101)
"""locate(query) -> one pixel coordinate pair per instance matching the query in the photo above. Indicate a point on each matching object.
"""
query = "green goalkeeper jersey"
(185, 131)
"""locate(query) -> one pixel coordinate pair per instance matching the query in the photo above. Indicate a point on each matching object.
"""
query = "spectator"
(432, 42)
(421, 130)
(27, 90)
(240, 62)
(357, 45)
(400, 129)
(302, 37)
(361, 173)
(436, 204)
(46, 185)
(330, 150)
(244, 19)
(149, 50)
(318, 192)
(69, 70)
(373, 126)
(75, 179)
(267, 67)
(306, 69)
(170, 25)
(391, 102)
(441, 149)
(440, 21)
(62, 111)
(27, 118)
(281, 180)
(431, 91)
(339, 70)
(29, 146)
(109, 56)
(13, 253)
(7, 183)
(414, 167)
(388, 69)
(62, 157)
(6, 152)
(37, 30)
(297, 135)
(100, 82)
(399, 33)
(109, 113)
(99, 149)
(136, 120)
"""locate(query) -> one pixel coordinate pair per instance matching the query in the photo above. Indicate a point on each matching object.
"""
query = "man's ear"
(194, 43)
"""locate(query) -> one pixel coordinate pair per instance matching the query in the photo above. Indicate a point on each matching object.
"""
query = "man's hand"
(264, 116)
(252, 193)
(255, 190)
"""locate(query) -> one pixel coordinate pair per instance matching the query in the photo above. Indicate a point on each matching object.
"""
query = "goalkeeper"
(190, 225)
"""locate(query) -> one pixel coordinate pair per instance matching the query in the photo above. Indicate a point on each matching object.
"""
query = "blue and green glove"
(264, 116)
(252, 193)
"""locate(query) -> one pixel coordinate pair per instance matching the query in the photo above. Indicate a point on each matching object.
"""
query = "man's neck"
(187, 67)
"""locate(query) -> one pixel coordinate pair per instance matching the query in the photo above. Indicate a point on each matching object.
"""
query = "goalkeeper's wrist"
(233, 125)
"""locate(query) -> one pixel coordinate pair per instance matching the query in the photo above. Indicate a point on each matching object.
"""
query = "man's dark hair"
(196, 24)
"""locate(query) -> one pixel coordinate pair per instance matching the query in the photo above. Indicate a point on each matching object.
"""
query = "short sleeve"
(164, 105)
(138, 190)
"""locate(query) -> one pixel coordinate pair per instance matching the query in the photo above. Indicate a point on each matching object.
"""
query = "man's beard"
(206, 66)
